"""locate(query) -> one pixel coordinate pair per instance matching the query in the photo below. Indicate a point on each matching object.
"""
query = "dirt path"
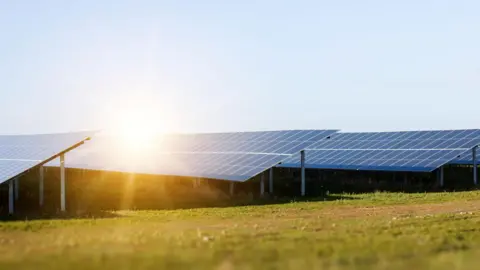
(398, 210)
(336, 213)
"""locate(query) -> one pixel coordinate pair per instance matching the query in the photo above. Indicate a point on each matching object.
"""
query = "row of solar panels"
(229, 156)
(20, 153)
(390, 151)
(242, 155)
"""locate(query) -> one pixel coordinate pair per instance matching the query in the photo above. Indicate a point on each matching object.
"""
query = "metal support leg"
(62, 183)
(232, 188)
(262, 185)
(302, 171)
(475, 165)
(40, 186)
(17, 187)
(270, 181)
(10, 197)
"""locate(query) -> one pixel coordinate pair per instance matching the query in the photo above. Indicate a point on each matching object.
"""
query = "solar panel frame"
(20, 153)
(226, 156)
(388, 151)
(466, 158)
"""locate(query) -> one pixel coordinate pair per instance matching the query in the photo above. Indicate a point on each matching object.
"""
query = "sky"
(208, 66)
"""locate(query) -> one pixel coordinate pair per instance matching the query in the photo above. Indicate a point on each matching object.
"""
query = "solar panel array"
(19, 153)
(466, 158)
(389, 151)
(231, 156)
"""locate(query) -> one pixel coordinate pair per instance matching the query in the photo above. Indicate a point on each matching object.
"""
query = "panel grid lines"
(19, 153)
(414, 151)
(383, 149)
(226, 156)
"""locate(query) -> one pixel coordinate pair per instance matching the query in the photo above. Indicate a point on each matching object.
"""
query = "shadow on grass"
(224, 203)
(285, 200)
(238, 202)
(23, 216)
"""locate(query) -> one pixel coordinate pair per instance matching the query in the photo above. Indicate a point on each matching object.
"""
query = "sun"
(137, 137)
(137, 129)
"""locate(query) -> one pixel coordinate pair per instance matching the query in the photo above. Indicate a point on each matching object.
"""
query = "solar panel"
(388, 151)
(466, 158)
(236, 156)
(19, 153)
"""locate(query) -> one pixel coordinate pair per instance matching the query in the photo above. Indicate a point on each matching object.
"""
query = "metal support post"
(10, 197)
(475, 165)
(40, 186)
(262, 184)
(270, 181)
(197, 182)
(232, 188)
(17, 187)
(302, 171)
(62, 182)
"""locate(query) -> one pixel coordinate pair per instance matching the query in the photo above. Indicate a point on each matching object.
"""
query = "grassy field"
(372, 231)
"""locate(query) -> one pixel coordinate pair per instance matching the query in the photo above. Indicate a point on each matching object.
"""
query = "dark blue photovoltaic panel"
(390, 151)
(229, 156)
(19, 153)
(466, 158)
(278, 142)
(383, 160)
(445, 139)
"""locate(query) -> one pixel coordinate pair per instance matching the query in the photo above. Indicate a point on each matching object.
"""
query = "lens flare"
(137, 130)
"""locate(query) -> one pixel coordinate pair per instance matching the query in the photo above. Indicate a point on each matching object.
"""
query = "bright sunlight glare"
(137, 129)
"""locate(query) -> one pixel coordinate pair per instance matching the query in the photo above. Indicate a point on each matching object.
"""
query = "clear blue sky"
(240, 65)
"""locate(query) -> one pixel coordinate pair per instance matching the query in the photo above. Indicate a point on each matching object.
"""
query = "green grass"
(371, 231)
